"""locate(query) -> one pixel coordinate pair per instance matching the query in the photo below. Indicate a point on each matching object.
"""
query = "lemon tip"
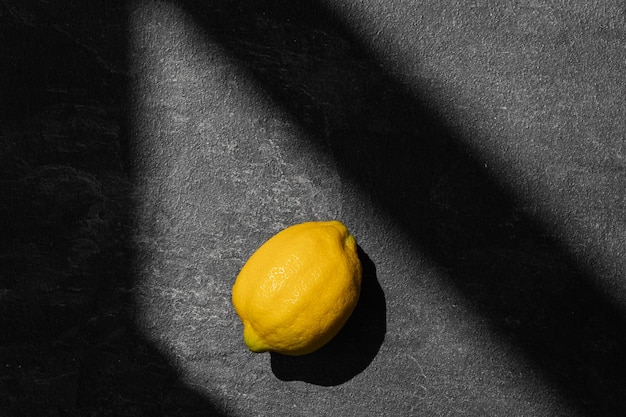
(252, 341)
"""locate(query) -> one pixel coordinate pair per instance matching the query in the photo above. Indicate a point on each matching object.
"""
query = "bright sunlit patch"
(219, 167)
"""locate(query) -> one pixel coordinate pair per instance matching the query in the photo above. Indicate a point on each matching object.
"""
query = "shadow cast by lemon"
(352, 350)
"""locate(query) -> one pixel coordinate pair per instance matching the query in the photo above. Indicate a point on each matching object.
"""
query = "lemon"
(299, 288)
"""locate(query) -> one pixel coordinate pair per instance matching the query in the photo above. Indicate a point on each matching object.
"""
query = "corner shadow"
(69, 344)
(355, 346)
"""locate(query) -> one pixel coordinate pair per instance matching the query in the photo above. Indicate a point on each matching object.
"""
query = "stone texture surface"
(476, 151)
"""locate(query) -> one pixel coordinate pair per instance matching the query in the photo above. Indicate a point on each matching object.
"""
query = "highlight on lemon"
(299, 288)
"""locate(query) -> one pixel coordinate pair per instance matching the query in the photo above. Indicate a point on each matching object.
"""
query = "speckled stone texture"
(475, 150)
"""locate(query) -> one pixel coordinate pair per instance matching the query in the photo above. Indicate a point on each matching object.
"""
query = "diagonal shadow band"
(530, 289)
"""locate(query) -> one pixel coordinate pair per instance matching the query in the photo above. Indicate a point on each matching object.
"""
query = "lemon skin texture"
(299, 288)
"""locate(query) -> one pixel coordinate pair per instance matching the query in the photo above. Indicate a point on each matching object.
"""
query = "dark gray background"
(475, 149)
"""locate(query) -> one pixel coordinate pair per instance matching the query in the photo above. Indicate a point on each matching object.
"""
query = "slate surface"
(476, 151)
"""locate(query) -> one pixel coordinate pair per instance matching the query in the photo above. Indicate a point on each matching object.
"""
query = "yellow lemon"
(299, 288)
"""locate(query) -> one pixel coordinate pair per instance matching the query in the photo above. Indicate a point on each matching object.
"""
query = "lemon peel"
(296, 292)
